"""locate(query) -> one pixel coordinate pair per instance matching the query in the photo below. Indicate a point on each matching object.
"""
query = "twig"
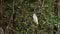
(11, 18)
(0, 12)
(11, 21)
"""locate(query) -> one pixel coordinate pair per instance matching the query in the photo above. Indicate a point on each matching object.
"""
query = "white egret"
(35, 18)
(1, 31)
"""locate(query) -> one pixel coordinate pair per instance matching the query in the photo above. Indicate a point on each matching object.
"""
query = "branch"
(56, 7)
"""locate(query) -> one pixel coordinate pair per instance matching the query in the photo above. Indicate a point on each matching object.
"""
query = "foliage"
(23, 22)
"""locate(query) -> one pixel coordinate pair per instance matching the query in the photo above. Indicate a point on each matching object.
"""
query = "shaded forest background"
(16, 16)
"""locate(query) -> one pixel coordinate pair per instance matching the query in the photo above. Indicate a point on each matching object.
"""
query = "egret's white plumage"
(1, 31)
(35, 18)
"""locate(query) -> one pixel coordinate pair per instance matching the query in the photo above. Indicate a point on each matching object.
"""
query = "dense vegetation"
(16, 16)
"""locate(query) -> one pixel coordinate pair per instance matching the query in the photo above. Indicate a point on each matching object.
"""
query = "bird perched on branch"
(35, 17)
